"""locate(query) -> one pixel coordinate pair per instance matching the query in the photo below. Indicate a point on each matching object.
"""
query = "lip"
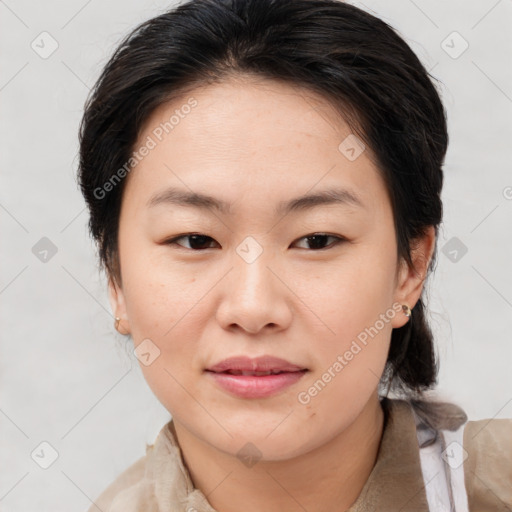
(255, 386)
(258, 364)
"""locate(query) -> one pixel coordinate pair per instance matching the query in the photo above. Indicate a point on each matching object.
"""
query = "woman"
(223, 141)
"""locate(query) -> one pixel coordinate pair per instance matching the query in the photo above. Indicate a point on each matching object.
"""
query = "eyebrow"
(180, 197)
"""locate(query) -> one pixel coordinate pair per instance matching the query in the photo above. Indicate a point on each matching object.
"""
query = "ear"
(118, 305)
(410, 280)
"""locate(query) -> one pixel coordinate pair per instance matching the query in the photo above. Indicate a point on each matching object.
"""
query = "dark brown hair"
(351, 58)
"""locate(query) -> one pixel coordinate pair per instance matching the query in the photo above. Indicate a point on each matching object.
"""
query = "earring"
(407, 337)
(404, 342)
(116, 324)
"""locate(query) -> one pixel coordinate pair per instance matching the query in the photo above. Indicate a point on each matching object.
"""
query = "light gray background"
(69, 379)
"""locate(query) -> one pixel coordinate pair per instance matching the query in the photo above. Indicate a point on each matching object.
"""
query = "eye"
(197, 241)
(317, 240)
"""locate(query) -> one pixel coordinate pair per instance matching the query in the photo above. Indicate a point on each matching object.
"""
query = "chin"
(261, 443)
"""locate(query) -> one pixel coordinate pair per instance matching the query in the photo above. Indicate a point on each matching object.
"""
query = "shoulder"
(127, 483)
(157, 481)
(488, 463)
(486, 452)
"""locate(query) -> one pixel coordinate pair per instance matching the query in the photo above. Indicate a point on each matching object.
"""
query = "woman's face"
(257, 282)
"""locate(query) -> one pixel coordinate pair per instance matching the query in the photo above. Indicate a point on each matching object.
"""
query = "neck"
(327, 479)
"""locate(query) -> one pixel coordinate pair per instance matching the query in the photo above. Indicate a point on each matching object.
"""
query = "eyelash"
(338, 240)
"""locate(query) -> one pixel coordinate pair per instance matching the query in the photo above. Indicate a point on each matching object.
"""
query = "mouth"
(256, 374)
(261, 366)
(255, 378)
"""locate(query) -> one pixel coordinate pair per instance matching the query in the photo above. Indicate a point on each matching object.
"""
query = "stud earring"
(116, 325)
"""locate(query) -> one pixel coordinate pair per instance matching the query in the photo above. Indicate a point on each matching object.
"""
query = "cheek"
(353, 304)
(349, 296)
(158, 293)
(164, 304)
(161, 311)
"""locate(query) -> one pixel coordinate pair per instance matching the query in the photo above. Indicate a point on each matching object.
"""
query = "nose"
(254, 296)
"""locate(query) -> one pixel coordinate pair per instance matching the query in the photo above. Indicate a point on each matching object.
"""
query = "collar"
(395, 482)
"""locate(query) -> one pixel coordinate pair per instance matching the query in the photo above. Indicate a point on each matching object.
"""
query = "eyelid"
(339, 239)
(173, 241)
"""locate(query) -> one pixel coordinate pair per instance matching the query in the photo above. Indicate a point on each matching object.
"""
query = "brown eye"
(317, 241)
(197, 242)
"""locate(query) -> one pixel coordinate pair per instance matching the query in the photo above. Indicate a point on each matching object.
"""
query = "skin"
(255, 144)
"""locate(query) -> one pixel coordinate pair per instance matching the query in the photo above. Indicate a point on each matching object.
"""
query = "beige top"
(160, 481)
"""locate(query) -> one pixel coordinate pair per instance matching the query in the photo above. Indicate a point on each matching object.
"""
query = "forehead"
(246, 135)
(250, 114)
